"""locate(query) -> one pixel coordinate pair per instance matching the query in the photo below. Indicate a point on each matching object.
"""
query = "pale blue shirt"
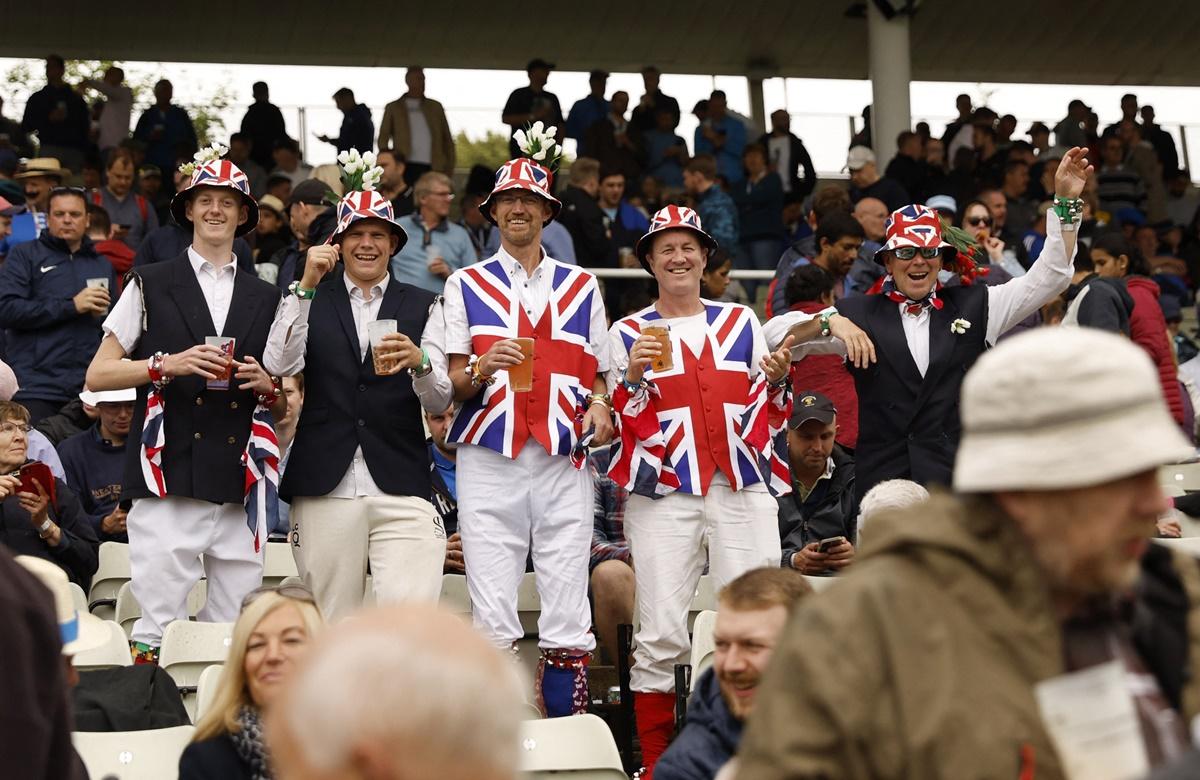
(411, 264)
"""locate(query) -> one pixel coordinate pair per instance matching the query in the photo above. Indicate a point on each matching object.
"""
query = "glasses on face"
(297, 592)
(528, 200)
(977, 221)
(448, 195)
(11, 429)
(909, 252)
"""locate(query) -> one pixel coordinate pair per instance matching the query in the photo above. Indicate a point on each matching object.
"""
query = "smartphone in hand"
(826, 545)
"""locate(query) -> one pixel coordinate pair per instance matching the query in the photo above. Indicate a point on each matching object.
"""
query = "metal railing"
(638, 273)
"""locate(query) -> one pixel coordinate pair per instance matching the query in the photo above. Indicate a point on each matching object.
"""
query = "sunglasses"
(297, 592)
(977, 221)
(60, 190)
(909, 252)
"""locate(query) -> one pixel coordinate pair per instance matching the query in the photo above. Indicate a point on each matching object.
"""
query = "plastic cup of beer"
(375, 332)
(520, 376)
(661, 333)
(226, 345)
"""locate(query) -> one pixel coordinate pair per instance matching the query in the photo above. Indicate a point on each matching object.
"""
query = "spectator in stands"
(908, 403)
(59, 116)
(1120, 186)
(997, 205)
(610, 141)
(1096, 301)
(1182, 198)
(100, 231)
(436, 247)
(760, 207)
(289, 163)
(272, 634)
(611, 566)
(443, 479)
(889, 496)
(978, 223)
(335, 719)
(1039, 137)
(810, 290)
(752, 612)
(716, 209)
(839, 238)
(623, 225)
(478, 228)
(989, 157)
(1162, 141)
(652, 101)
(416, 126)
(1129, 113)
(1024, 546)
(906, 168)
(395, 185)
(533, 103)
(150, 186)
(312, 221)
(271, 235)
(959, 133)
(582, 216)
(30, 522)
(358, 474)
(1069, 132)
(165, 128)
(872, 214)
(53, 318)
(117, 110)
(788, 157)
(38, 177)
(665, 151)
(13, 138)
(1116, 258)
(587, 111)
(241, 154)
(1142, 158)
(129, 212)
(189, 499)
(724, 137)
(1020, 212)
(715, 279)
(819, 518)
(94, 461)
(358, 129)
(263, 123)
(865, 181)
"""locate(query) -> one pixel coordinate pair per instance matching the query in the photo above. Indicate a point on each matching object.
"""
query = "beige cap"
(43, 166)
(1062, 408)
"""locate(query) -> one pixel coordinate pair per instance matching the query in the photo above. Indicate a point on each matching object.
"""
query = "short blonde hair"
(428, 181)
(233, 693)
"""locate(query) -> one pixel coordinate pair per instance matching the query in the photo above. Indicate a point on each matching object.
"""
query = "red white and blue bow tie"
(910, 306)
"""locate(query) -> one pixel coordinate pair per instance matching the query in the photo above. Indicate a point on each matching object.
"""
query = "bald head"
(872, 214)
(397, 694)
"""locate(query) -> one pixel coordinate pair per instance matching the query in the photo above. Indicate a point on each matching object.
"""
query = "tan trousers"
(334, 538)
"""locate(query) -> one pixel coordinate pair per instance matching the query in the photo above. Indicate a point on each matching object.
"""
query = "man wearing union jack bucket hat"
(525, 335)
(914, 339)
(203, 476)
(358, 470)
(703, 407)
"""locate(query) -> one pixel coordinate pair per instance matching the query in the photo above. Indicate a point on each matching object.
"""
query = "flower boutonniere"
(960, 326)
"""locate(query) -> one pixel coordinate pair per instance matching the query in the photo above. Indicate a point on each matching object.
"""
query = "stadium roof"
(1100, 42)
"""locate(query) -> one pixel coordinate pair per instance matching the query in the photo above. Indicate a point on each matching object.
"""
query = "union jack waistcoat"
(564, 364)
(711, 411)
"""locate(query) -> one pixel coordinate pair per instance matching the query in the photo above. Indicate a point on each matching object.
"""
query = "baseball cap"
(308, 191)
(538, 62)
(149, 170)
(858, 156)
(97, 397)
(942, 203)
(811, 405)
(7, 209)
(1038, 127)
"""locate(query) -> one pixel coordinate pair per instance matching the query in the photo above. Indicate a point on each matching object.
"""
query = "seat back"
(128, 610)
(111, 573)
(188, 648)
(1185, 476)
(705, 598)
(133, 755)
(206, 689)
(278, 563)
(819, 584)
(78, 598)
(114, 653)
(529, 603)
(703, 645)
(576, 748)
(455, 596)
(1188, 544)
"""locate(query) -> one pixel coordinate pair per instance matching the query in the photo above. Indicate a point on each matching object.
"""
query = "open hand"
(1073, 172)
(253, 376)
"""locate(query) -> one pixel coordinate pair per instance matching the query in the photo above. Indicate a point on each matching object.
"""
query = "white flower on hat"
(343, 158)
(960, 326)
(538, 143)
(369, 159)
(208, 154)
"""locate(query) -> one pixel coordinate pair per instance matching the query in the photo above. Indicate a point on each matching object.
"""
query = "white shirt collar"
(199, 264)
(512, 264)
(355, 291)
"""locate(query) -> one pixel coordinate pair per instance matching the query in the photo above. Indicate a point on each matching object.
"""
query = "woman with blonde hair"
(273, 630)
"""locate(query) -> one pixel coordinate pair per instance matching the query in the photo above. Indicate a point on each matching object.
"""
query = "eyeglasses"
(447, 194)
(909, 252)
(10, 429)
(977, 221)
(297, 592)
(527, 199)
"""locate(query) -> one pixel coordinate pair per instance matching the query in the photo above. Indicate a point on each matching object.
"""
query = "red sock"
(655, 713)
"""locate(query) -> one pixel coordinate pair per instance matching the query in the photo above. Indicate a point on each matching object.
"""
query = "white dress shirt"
(288, 341)
(1008, 304)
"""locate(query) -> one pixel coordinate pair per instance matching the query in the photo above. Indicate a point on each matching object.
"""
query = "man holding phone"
(186, 476)
(817, 519)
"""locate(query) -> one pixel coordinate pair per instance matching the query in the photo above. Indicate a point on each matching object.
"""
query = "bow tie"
(911, 307)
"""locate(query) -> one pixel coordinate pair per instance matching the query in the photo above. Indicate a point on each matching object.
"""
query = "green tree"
(490, 151)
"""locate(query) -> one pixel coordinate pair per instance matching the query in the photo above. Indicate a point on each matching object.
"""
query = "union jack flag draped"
(261, 459)
(153, 441)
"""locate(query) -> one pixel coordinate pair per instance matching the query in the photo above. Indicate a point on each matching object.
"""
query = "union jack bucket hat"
(672, 218)
(217, 173)
(523, 174)
(914, 225)
(366, 204)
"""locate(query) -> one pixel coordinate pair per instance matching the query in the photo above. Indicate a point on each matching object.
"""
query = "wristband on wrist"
(269, 399)
(300, 292)
(824, 320)
(599, 398)
(424, 368)
(632, 387)
(155, 367)
(1069, 210)
(477, 377)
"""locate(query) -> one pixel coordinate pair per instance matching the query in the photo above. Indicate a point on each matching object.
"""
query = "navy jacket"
(169, 242)
(211, 759)
(708, 740)
(94, 468)
(50, 345)
(78, 551)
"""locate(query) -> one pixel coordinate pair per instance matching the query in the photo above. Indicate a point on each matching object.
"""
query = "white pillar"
(890, 66)
(758, 104)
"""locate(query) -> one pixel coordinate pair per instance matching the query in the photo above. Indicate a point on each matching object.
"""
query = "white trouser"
(666, 538)
(334, 538)
(167, 536)
(504, 506)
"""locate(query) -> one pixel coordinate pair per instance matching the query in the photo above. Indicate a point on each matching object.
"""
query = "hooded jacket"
(1148, 328)
(708, 739)
(1099, 302)
(920, 662)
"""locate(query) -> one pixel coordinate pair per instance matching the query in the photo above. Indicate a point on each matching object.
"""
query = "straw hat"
(43, 166)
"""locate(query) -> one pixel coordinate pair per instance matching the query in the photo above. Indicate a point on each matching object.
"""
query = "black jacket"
(213, 759)
(708, 739)
(170, 240)
(1102, 303)
(801, 187)
(78, 551)
(290, 259)
(830, 510)
(584, 220)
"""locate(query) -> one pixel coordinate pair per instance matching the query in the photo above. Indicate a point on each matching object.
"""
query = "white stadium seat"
(278, 563)
(580, 747)
(206, 689)
(1181, 475)
(111, 574)
(78, 598)
(455, 597)
(703, 644)
(819, 584)
(133, 755)
(188, 648)
(114, 653)
(128, 610)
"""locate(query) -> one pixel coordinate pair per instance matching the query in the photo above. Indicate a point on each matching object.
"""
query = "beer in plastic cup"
(375, 332)
(223, 378)
(520, 376)
(665, 361)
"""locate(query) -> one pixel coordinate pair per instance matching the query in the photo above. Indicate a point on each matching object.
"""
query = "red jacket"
(827, 374)
(120, 255)
(1148, 328)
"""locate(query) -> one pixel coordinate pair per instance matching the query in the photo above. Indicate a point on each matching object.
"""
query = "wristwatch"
(45, 528)
(305, 295)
